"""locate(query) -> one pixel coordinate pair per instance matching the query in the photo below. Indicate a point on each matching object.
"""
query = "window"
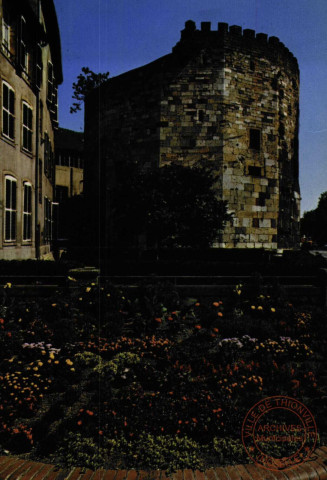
(255, 171)
(27, 127)
(255, 222)
(27, 212)
(8, 111)
(5, 33)
(47, 220)
(201, 115)
(50, 81)
(41, 119)
(39, 66)
(10, 208)
(255, 139)
(40, 180)
(23, 45)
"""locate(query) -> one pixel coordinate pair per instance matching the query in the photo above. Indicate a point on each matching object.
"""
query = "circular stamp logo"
(279, 432)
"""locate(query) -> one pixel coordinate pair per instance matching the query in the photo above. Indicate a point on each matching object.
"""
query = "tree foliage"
(173, 206)
(86, 81)
(314, 222)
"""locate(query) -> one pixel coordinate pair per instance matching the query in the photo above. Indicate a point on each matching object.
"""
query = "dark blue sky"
(118, 35)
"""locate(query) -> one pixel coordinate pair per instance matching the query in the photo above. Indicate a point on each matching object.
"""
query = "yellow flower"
(40, 364)
(238, 292)
(52, 356)
(273, 310)
(56, 361)
(88, 289)
(43, 352)
(35, 368)
(73, 369)
(259, 307)
(252, 307)
(69, 362)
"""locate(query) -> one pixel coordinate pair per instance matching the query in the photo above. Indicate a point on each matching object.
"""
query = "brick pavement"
(13, 468)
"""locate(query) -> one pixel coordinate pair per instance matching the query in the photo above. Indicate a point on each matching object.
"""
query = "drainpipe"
(36, 199)
(37, 140)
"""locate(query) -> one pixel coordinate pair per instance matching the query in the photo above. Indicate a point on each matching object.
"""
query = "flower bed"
(153, 381)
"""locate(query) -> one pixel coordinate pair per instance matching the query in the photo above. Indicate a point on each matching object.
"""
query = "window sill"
(8, 140)
(27, 152)
(10, 243)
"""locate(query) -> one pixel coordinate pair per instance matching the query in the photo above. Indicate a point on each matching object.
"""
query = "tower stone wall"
(227, 97)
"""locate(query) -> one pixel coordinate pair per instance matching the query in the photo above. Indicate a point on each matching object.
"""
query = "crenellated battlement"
(234, 34)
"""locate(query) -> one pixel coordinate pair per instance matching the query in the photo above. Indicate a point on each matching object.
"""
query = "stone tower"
(228, 97)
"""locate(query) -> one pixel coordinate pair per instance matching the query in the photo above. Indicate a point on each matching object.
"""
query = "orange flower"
(170, 318)
(179, 422)
(219, 314)
(197, 304)
(216, 330)
(198, 327)
(158, 320)
(215, 304)
(296, 384)
(194, 420)
(79, 422)
(2, 321)
(89, 412)
(100, 432)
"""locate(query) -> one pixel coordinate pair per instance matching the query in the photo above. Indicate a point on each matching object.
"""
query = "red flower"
(2, 320)
(198, 327)
(158, 320)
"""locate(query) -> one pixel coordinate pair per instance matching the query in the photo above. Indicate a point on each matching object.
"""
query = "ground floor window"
(27, 212)
(10, 208)
(47, 220)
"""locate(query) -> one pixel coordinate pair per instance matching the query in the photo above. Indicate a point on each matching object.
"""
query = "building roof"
(69, 140)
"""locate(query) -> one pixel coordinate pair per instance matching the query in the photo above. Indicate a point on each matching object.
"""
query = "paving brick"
(188, 475)
(211, 474)
(177, 475)
(4, 460)
(74, 474)
(99, 474)
(10, 471)
(308, 471)
(121, 475)
(110, 474)
(131, 475)
(221, 474)
(7, 463)
(87, 474)
(291, 474)
(199, 475)
(243, 473)
(43, 473)
(322, 465)
(36, 468)
(258, 473)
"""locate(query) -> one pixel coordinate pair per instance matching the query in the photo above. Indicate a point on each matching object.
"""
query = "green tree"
(314, 222)
(173, 206)
(86, 81)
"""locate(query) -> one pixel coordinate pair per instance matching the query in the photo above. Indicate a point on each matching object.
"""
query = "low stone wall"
(12, 468)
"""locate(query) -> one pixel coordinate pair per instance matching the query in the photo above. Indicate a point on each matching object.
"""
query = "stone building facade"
(30, 71)
(69, 159)
(228, 97)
